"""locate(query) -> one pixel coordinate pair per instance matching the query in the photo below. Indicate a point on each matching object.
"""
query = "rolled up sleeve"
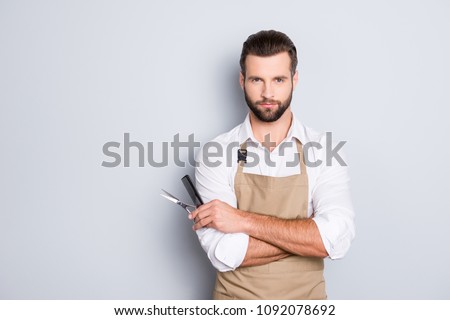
(333, 210)
(225, 251)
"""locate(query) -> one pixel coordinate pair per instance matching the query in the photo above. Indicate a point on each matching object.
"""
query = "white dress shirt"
(328, 197)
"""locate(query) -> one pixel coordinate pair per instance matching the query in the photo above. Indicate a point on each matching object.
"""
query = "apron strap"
(301, 156)
(300, 153)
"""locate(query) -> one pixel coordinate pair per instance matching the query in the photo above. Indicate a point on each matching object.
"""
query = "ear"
(241, 80)
(295, 79)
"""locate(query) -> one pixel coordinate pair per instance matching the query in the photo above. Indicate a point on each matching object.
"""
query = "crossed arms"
(270, 238)
(233, 238)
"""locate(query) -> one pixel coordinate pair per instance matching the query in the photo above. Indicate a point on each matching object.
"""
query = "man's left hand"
(218, 215)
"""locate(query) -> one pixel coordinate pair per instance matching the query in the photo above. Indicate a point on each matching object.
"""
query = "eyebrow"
(276, 77)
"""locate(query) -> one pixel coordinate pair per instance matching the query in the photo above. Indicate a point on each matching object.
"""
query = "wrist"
(245, 221)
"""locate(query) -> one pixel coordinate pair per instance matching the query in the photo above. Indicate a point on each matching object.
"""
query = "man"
(270, 222)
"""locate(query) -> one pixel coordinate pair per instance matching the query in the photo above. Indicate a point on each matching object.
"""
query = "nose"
(267, 92)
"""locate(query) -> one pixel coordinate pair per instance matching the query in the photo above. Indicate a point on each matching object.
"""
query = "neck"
(277, 130)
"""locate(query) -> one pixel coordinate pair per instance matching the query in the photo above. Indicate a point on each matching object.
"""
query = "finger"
(205, 214)
(193, 214)
(202, 208)
(206, 206)
(201, 223)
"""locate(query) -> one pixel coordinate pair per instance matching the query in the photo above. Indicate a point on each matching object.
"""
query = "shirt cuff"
(231, 249)
(335, 244)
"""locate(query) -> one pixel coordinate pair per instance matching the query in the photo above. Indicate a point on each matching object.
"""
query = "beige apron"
(294, 277)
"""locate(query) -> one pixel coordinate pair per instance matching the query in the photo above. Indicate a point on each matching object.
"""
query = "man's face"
(268, 85)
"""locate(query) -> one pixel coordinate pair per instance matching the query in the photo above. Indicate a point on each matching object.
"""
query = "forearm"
(297, 236)
(260, 252)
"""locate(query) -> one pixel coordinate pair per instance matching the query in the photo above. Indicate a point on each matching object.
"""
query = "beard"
(268, 114)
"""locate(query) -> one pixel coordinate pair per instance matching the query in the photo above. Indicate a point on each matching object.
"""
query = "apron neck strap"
(301, 156)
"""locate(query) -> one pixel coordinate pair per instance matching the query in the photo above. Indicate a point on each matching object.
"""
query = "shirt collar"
(297, 130)
(246, 132)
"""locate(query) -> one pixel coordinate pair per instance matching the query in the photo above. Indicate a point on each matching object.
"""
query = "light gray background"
(77, 74)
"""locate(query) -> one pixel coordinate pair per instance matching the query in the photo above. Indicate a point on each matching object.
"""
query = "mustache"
(268, 101)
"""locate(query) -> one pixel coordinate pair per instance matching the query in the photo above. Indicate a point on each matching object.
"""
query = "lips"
(268, 105)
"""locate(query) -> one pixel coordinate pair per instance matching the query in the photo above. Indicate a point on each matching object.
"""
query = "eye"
(279, 80)
(256, 80)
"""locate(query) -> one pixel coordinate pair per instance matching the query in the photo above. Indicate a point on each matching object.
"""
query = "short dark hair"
(267, 43)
